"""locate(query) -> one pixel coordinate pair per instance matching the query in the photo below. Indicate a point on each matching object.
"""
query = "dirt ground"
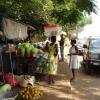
(84, 88)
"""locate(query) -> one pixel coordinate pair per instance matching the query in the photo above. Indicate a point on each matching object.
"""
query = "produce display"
(32, 50)
(42, 65)
(30, 93)
(28, 49)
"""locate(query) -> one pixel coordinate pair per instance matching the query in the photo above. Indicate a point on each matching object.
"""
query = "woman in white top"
(73, 59)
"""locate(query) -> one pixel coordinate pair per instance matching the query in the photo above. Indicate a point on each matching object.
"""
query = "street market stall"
(13, 32)
(32, 56)
(25, 59)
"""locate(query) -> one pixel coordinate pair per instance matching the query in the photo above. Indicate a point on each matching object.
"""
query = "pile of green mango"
(28, 49)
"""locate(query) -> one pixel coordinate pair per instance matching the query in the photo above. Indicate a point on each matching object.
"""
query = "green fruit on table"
(35, 51)
(6, 87)
(28, 51)
(27, 45)
(22, 50)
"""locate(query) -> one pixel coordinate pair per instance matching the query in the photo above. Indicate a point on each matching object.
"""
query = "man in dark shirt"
(61, 42)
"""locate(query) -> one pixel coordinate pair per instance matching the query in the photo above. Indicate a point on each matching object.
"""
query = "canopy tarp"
(14, 30)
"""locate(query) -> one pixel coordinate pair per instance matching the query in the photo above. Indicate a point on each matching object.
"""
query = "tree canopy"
(38, 12)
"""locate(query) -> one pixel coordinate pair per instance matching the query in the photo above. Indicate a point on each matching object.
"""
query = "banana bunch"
(30, 93)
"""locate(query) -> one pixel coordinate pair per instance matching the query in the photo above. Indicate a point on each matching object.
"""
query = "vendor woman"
(53, 59)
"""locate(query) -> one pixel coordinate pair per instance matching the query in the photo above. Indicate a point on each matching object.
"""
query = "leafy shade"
(67, 13)
(86, 5)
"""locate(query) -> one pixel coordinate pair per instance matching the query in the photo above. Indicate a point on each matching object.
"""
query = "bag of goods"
(24, 80)
(30, 93)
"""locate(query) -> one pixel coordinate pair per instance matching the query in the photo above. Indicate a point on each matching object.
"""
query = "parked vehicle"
(80, 44)
(80, 49)
(91, 55)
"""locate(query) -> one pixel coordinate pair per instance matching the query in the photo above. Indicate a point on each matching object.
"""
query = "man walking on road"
(61, 42)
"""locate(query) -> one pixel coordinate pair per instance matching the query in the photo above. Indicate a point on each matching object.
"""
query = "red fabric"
(11, 80)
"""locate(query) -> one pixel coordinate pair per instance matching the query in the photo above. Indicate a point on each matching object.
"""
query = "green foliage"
(71, 11)
(67, 13)
(86, 5)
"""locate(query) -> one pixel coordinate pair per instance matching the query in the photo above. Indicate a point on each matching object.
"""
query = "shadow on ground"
(53, 97)
(61, 89)
(86, 88)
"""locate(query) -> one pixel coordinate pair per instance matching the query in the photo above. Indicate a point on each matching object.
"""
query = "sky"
(94, 28)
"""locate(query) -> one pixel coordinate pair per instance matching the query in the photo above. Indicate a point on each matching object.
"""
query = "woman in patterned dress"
(53, 59)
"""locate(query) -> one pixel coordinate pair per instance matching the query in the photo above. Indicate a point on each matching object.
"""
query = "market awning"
(16, 30)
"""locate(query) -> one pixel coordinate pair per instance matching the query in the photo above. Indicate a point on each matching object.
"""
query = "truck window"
(95, 43)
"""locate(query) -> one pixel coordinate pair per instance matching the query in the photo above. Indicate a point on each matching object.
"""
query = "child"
(73, 59)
